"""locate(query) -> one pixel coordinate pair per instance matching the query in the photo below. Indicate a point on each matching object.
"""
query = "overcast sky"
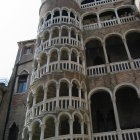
(18, 22)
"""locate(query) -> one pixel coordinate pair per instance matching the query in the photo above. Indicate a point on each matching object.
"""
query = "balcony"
(112, 22)
(113, 67)
(130, 134)
(97, 3)
(50, 106)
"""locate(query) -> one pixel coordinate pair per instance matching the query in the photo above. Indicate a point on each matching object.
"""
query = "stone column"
(52, 17)
(117, 16)
(48, 61)
(70, 95)
(57, 96)
(50, 37)
(82, 129)
(69, 16)
(78, 62)
(80, 96)
(42, 131)
(30, 135)
(60, 16)
(69, 36)
(60, 31)
(69, 60)
(77, 39)
(128, 53)
(106, 57)
(56, 129)
(59, 60)
(44, 100)
(99, 22)
(116, 118)
(71, 129)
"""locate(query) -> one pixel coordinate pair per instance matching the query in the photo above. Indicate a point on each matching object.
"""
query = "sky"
(18, 22)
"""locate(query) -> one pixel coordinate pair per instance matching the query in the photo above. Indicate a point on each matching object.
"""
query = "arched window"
(43, 59)
(36, 131)
(94, 53)
(90, 19)
(54, 56)
(74, 56)
(51, 92)
(64, 55)
(64, 32)
(75, 90)
(46, 36)
(64, 127)
(76, 125)
(103, 119)
(64, 89)
(13, 132)
(39, 94)
(49, 128)
(55, 33)
(64, 13)
(107, 15)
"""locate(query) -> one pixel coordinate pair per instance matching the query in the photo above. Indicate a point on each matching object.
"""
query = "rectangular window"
(22, 83)
(28, 50)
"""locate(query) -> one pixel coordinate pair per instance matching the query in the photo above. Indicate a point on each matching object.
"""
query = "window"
(22, 83)
(28, 50)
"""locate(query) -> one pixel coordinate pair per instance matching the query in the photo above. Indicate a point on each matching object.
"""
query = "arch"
(64, 113)
(75, 88)
(64, 88)
(51, 90)
(126, 85)
(102, 113)
(128, 105)
(94, 52)
(99, 89)
(132, 39)
(53, 55)
(36, 130)
(74, 54)
(55, 32)
(46, 36)
(64, 127)
(49, 127)
(56, 12)
(79, 115)
(43, 59)
(73, 33)
(64, 11)
(48, 16)
(115, 48)
(39, 94)
(65, 31)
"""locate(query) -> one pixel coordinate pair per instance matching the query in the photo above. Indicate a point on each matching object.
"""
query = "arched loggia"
(102, 112)
(94, 53)
(115, 49)
(128, 105)
(133, 42)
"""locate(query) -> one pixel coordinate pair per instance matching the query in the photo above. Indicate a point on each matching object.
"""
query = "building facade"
(80, 79)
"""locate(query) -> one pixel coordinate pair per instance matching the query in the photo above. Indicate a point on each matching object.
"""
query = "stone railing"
(97, 3)
(59, 20)
(111, 22)
(130, 134)
(59, 41)
(113, 67)
(50, 106)
(63, 65)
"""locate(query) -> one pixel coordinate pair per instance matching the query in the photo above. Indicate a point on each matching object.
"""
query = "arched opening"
(133, 42)
(39, 94)
(64, 89)
(55, 33)
(30, 100)
(76, 125)
(87, 1)
(49, 128)
(115, 49)
(128, 105)
(64, 32)
(74, 56)
(81, 59)
(26, 134)
(107, 15)
(73, 33)
(82, 94)
(51, 92)
(64, 13)
(64, 55)
(94, 53)
(54, 56)
(43, 59)
(56, 13)
(48, 17)
(72, 15)
(36, 131)
(75, 89)
(13, 132)
(90, 19)
(102, 112)
(64, 128)
(46, 36)
(124, 12)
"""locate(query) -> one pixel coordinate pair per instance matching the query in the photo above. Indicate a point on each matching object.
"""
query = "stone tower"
(85, 79)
